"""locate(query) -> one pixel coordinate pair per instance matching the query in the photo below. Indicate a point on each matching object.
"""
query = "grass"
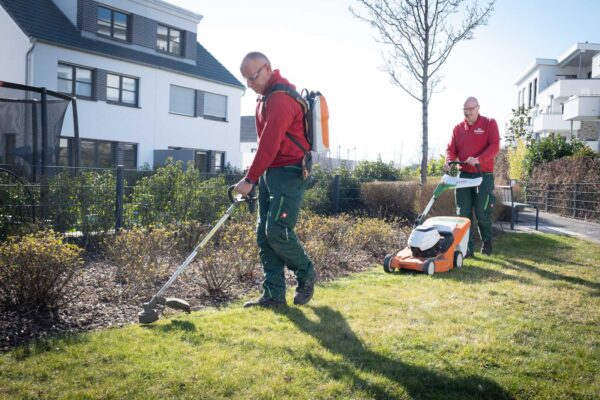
(520, 324)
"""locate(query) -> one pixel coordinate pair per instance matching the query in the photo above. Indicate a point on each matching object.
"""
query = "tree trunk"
(425, 146)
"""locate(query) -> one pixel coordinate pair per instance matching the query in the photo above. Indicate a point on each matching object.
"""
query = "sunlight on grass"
(520, 324)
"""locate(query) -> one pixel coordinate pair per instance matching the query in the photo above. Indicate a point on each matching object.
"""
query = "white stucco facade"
(15, 45)
(150, 126)
(563, 94)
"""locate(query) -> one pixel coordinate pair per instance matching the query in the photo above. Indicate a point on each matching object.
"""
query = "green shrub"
(516, 160)
(375, 170)
(38, 271)
(551, 148)
(81, 200)
(172, 195)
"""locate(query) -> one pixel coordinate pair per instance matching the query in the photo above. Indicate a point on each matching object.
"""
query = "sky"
(319, 44)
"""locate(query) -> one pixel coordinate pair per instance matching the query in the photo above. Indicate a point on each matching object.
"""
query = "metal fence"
(91, 200)
(94, 200)
(575, 200)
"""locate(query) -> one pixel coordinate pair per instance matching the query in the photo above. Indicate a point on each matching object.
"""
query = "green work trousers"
(281, 190)
(481, 199)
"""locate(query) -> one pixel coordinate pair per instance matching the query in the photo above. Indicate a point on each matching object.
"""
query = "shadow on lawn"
(521, 266)
(174, 325)
(333, 333)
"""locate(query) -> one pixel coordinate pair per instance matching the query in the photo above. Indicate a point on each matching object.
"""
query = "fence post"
(336, 194)
(575, 190)
(119, 200)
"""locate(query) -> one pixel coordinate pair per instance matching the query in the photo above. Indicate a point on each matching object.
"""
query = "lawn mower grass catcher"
(438, 244)
(149, 313)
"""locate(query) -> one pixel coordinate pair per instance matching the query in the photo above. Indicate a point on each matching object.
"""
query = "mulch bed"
(95, 309)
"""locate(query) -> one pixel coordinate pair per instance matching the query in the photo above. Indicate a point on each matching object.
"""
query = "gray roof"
(248, 130)
(45, 22)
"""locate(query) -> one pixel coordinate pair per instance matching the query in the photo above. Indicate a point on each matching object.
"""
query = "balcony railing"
(553, 122)
(565, 88)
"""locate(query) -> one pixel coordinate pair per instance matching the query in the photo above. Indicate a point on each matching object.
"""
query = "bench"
(508, 201)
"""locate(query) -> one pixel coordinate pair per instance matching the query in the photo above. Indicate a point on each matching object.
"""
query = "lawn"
(520, 324)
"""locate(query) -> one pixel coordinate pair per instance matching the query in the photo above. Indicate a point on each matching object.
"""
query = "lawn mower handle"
(464, 163)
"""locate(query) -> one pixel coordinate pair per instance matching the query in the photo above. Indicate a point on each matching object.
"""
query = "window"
(75, 81)
(64, 157)
(168, 39)
(182, 101)
(534, 91)
(9, 148)
(215, 106)
(112, 23)
(121, 89)
(219, 161)
(102, 154)
(129, 155)
(201, 161)
(529, 98)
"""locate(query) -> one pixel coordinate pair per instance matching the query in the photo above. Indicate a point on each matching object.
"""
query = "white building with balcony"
(145, 88)
(564, 94)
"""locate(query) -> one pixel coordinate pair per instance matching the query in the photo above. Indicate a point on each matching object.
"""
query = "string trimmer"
(149, 313)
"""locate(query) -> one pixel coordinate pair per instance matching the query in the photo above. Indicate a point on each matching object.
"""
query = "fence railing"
(575, 200)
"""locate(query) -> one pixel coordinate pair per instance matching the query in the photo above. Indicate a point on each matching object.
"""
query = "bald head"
(256, 69)
(471, 102)
(254, 56)
(471, 110)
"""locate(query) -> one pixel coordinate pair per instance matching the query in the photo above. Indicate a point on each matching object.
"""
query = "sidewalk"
(552, 223)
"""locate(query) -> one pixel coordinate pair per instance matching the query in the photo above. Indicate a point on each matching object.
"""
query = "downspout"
(28, 68)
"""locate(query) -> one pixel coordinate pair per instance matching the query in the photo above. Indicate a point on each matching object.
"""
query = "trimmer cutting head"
(149, 315)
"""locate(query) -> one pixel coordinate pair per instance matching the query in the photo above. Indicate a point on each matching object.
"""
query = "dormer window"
(113, 24)
(168, 39)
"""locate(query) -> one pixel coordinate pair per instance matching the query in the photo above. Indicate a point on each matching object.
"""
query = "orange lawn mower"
(440, 243)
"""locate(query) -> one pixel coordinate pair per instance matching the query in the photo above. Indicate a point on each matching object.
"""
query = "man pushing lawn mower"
(278, 170)
(475, 141)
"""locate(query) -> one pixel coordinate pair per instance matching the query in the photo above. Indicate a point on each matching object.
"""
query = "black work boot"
(305, 291)
(486, 248)
(265, 302)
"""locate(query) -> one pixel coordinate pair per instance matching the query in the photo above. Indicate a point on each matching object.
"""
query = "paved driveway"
(551, 223)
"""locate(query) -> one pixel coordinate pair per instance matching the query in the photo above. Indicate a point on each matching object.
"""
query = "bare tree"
(419, 36)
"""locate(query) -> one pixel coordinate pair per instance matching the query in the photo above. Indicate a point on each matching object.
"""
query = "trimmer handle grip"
(250, 199)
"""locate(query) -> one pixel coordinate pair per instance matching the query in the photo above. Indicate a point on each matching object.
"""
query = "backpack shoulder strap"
(293, 93)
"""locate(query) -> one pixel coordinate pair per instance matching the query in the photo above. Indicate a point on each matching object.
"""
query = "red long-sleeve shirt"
(282, 114)
(480, 140)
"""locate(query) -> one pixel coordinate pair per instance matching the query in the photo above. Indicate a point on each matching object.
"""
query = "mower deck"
(451, 258)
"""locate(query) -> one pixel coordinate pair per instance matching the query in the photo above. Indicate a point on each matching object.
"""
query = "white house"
(145, 87)
(564, 94)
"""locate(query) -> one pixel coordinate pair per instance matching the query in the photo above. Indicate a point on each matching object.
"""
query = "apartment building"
(564, 94)
(145, 87)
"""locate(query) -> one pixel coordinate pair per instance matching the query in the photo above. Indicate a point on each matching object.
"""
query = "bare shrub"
(375, 236)
(39, 271)
(230, 257)
(330, 243)
(188, 235)
(389, 199)
(141, 258)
